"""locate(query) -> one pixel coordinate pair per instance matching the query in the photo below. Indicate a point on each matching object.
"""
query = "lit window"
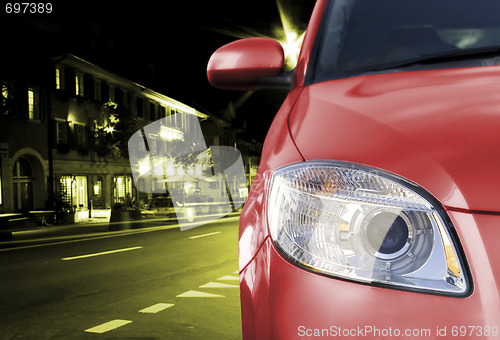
(58, 78)
(98, 197)
(123, 190)
(72, 190)
(32, 104)
(77, 84)
(5, 98)
(64, 191)
(80, 191)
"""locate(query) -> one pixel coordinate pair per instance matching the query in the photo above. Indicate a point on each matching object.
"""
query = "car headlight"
(363, 224)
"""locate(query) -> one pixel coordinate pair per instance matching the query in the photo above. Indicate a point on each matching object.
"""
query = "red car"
(376, 212)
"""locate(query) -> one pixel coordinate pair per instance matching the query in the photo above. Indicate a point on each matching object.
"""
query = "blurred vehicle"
(376, 211)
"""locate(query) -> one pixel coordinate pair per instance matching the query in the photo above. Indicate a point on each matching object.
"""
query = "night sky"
(166, 45)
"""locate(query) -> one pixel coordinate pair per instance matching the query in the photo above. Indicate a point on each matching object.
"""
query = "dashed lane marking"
(229, 278)
(108, 326)
(99, 254)
(204, 235)
(194, 293)
(218, 285)
(156, 308)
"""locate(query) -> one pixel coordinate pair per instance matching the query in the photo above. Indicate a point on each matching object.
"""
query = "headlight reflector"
(363, 224)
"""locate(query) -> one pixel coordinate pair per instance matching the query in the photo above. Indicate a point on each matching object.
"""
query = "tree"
(113, 127)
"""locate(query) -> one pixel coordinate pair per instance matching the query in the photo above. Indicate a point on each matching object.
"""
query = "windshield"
(367, 36)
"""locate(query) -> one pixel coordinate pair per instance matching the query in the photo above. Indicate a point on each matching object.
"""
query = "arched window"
(22, 169)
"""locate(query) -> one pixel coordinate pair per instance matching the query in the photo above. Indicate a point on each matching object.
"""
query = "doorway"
(22, 179)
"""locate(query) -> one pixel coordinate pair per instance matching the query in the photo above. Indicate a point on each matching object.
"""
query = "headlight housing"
(363, 224)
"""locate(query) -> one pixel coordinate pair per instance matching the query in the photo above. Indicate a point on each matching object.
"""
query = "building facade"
(64, 124)
(24, 155)
(50, 116)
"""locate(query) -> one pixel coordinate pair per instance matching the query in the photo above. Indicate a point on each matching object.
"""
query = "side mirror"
(243, 64)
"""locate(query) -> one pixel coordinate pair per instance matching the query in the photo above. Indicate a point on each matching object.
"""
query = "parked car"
(376, 211)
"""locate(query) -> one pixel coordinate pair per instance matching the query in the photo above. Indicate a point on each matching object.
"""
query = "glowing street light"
(109, 129)
(290, 39)
(291, 46)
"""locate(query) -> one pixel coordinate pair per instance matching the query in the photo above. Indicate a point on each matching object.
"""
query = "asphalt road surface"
(144, 284)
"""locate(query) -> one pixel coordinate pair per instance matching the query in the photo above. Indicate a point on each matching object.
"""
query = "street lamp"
(289, 36)
(291, 46)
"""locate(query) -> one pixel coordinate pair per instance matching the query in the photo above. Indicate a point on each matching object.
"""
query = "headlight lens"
(363, 224)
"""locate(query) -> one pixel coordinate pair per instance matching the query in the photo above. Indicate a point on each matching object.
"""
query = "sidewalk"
(92, 228)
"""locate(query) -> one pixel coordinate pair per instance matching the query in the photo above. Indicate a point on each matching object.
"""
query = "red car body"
(437, 128)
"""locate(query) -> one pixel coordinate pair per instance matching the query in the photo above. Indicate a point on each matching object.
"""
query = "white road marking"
(218, 285)
(194, 293)
(156, 308)
(236, 272)
(108, 326)
(229, 278)
(99, 254)
(204, 235)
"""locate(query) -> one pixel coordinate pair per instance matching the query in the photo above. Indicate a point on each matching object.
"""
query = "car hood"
(439, 129)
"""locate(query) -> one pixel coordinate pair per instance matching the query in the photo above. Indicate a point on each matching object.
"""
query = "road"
(150, 284)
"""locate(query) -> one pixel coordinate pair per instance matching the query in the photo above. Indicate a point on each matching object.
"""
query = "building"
(64, 126)
(49, 124)
(24, 129)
